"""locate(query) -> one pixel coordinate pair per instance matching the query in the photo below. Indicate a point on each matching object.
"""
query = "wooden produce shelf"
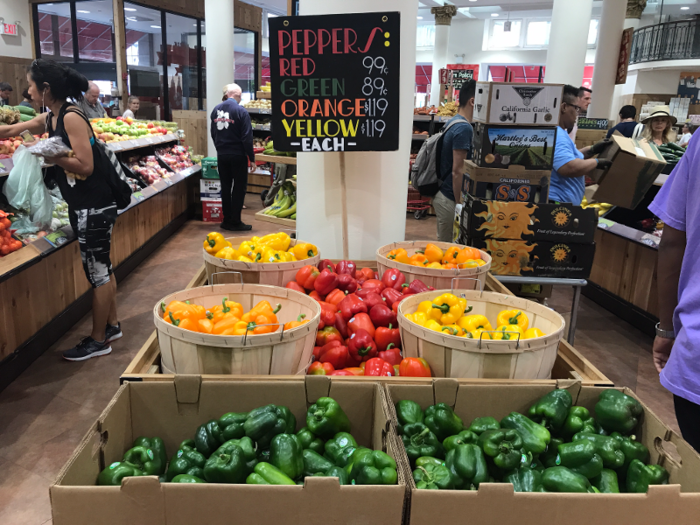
(276, 159)
(267, 95)
(290, 223)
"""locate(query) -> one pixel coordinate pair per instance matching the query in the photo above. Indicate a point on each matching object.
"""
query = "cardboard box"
(173, 410)
(636, 164)
(512, 184)
(210, 190)
(497, 146)
(505, 103)
(457, 223)
(527, 221)
(538, 258)
(212, 211)
(496, 503)
(210, 168)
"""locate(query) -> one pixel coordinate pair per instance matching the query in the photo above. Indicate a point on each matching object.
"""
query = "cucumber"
(675, 147)
(26, 111)
(666, 149)
(25, 118)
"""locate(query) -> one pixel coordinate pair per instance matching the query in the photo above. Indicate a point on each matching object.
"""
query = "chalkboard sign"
(460, 76)
(592, 123)
(335, 82)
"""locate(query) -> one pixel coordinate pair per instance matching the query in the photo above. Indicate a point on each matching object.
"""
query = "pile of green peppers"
(261, 447)
(556, 447)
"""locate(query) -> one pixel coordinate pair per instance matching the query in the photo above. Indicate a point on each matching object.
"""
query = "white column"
(568, 41)
(443, 21)
(218, 16)
(605, 69)
(377, 182)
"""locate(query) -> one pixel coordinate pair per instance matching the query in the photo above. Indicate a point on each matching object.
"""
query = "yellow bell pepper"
(215, 242)
(419, 318)
(454, 329)
(435, 265)
(474, 322)
(243, 258)
(479, 334)
(517, 317)
(277, 241)
(432, 324)
(247, 248)
(426, 307)
(270, 255)
(287, 256)
(450, 308)
(471, 264)
(227, 253)
(531, 333)
(433, 253)
(303, 251)
(508, 332)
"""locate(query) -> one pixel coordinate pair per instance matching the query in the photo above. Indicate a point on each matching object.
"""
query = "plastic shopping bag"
(25, 188)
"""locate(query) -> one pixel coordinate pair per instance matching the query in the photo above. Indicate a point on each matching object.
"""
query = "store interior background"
(46, 411)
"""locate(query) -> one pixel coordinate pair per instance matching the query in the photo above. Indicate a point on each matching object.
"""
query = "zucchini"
(675, 147)
(26, 111)
(25, 118)
(666, 149)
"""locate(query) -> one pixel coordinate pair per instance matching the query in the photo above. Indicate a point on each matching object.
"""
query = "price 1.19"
(373, 128)
(373, 106)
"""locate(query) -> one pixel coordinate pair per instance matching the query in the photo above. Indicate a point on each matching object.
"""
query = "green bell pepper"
(372, 467)
(606, 482)
(187, 460)
(632, 449)
(315, 463)
(117, 471)
(608, 448)
(208, 437)
(309, 441)
(266, 422)
(617, 412)
(468, 467)
(187, 478)
(551, 410)
(408, 412)
(419, 441)
(503, 446)
(550, 457)
(581, 457)
(578, 420)
(524, 479)
(247, 446)
(267, 474)
(562, 479)
(537, 465)
(326, 418)
(433, 477)
(286, 455)
(340, 449)
(232, 425)
(465, 437)
(535, 436)
(482, 424)
(144, 459)
(335, 472)
(640, 476)
(227, 466)
(442, 421)
(157, 445)
(426, 460)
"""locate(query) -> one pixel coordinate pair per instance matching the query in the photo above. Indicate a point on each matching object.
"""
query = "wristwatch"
(666, 334)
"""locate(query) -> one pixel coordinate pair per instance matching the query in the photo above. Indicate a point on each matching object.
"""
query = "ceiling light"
(419, 17)
(195, 25)
(472, 0)
(684, 8)
(129, 9)
(82, 11)
(155, 27)
(133, 19)
(494, 14)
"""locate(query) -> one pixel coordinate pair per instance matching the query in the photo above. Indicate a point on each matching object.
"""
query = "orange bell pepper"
(224, 324)
(226, 309)
(206, 326)
(398, 255)
(185, 323)
(449, 266)
(468, 254)
(419, 259)
(293, 324)
(335, 297)
(450, 256)
(433, 253)
(356, 370)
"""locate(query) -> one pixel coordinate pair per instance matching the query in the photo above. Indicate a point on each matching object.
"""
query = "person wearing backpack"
(87, 188)
(456, 148)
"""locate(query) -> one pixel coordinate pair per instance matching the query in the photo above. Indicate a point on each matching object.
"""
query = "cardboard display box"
(677, 503)
(528, 221)
(497, 146)
(635, 165)
(173, 410)
(210, 168)
(538, 258)
(505, 103)
(512, 184)
(210, 190)
(212, 211)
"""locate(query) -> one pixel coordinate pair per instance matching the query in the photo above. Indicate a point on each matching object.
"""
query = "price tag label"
(263, 111)
(139, 196)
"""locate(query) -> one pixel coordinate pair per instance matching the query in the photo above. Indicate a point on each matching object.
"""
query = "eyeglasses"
(578, 108)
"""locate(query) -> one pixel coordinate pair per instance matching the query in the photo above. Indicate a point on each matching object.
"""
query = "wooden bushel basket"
(438, 279)
(274, 274)
(279, 353)
(459, 357)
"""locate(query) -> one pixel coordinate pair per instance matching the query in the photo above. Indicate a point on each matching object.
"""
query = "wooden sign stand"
(344, 207)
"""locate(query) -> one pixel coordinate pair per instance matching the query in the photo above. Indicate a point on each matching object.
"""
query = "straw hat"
(660, 111)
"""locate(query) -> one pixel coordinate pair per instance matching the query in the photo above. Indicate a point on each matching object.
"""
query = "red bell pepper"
(351, 305)
(316, 296)
(414, 367)
(293, 285)
(373, 284)
(320, 369)
(391, 355)
(326, 264)
(337, 356)
(335, 297)
(395, 307)
(341, 373)
(326, 282)
(361, 346)
(416, 286)
(386, 336)
(355, 370)
(378, 367)
(362, 321)
(391, 296)
(347, 283)
(341, 324)
(317, 352)
(328, 313)
(381, 315)
(307, 276)
(328, 334)
(346, 268)
(372, 299)
(364, 274)
(393, 278)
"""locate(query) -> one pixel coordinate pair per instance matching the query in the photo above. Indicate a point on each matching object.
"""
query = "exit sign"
(8, 29)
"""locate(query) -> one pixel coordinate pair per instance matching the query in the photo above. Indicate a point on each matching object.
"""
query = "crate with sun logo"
(512, 184)
(527, 221)
(498, 146)
(516, 104)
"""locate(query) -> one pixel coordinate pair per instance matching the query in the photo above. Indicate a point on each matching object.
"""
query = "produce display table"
(276, 159)
(289, 223)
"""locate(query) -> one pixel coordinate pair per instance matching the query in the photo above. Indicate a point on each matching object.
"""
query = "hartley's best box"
(504, 146)
(335, 82)
(517, 104)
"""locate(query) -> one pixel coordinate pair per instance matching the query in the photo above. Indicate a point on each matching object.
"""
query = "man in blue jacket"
(232, 134)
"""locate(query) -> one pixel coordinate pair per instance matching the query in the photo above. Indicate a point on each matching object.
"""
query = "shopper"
(456, 148)
(5, 90)
(26, 99)
(133, 105)
(627, 122)
(584, 95)
(677, 343)
(90, 200)
(232, 134)
(687, 133)
(657, 126)
(571, 165)
(90, 104)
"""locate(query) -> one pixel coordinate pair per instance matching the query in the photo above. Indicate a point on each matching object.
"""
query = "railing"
(667, 41)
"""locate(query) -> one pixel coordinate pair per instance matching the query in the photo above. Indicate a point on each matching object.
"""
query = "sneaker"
(86, 349)
(112, 333)
(240, 227)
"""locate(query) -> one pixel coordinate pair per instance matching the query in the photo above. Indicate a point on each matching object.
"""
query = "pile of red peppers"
(358, 332)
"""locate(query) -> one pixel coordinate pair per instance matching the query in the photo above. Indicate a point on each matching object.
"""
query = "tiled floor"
(46, 411)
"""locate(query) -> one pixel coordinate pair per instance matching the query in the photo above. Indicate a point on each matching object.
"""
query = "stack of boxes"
(506, 186)
(210, 191)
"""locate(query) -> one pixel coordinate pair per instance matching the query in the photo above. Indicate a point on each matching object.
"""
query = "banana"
(294, 216)
(289, 211)
(284, 204)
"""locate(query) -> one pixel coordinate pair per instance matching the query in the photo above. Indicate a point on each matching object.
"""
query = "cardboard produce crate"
(497, 146)
(512, 184)
(496, 503)
(506, 103)
(173, 410)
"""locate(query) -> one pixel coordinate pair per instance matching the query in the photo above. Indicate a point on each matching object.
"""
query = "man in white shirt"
(686, 135)
(91, 105)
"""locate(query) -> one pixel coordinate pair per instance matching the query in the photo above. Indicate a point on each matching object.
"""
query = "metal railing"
(667, 41)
